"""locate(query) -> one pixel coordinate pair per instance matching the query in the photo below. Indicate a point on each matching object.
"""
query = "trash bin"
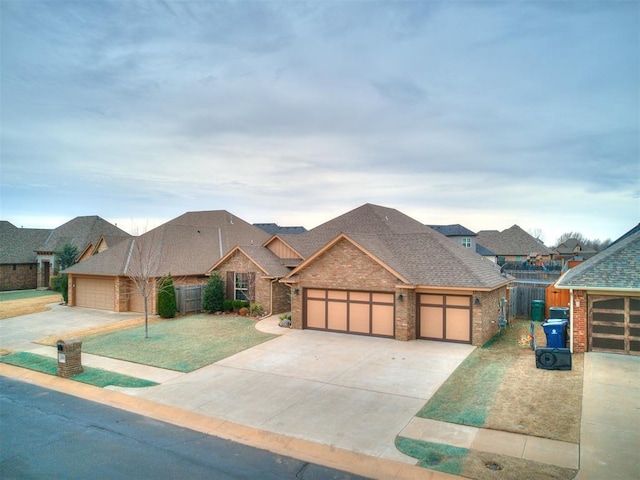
(537, 310)
(556, 332)
(559, 312)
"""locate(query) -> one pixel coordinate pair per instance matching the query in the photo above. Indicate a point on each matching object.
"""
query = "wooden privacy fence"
(189, 298)
(522, 294)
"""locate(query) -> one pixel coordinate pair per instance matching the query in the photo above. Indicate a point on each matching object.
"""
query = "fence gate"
(521, 297)
(189, 298)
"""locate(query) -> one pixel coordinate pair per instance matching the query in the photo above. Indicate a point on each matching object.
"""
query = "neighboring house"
(18, 262)
(572, 249)
(185, 247)
(604, 293)
(275, 229)
(376, 271)
(466, 238)
(89, 234)
(515, 245)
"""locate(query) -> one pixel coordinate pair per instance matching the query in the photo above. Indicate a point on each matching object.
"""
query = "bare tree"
(143, 264)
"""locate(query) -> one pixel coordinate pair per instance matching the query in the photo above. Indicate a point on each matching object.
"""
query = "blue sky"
(486, 114)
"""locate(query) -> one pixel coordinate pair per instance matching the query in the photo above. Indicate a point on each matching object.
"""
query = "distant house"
(514, 245)
(275, 229)
(604, 293)
(28, 255)
(572, 249)
(466, 238)
(185, 247)
(18, 262)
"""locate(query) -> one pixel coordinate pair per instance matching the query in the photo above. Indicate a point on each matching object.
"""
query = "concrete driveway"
(350, 392)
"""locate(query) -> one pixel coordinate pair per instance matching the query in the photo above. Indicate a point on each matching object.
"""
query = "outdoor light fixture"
(400, 297)
(296, 291)
(477, 302)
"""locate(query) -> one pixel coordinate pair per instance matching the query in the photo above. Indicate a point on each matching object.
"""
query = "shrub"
(238, 304)
(60, 283)
(213, 296)
(256, 309)
(243, 312)
(167, 305)
(227, 306)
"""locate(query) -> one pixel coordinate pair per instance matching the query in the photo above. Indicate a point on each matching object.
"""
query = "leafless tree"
(143, 264)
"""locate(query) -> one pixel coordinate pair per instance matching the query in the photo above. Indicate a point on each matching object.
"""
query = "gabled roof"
(512, 241)
(80, 232)
(455, 230)
(615, 268)
(19, 245)
(418, 253)
(187, 245)
(265, 259)
(275, 229)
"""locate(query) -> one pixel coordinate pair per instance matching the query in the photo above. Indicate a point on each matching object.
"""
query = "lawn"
(183, 344)
(92, 376)
(24, 302)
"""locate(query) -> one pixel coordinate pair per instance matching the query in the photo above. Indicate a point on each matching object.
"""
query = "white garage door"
(365, 313)
(94, 292)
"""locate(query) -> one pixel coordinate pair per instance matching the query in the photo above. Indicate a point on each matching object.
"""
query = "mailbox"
(69, 357)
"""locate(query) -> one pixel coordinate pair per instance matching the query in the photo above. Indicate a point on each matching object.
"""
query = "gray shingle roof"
(267, 260)
(617, 267)
(417, 252)
(275, 229)
(189, 245)
(455, 230)
(80, 232)
(512, 241)
(19, 245)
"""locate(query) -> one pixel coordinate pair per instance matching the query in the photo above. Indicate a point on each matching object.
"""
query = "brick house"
(18, 262)
(514, 245)
(604, 298)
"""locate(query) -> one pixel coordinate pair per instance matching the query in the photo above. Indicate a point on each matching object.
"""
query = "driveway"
(347, 391)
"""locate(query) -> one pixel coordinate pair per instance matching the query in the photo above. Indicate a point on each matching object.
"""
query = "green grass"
(435, 456)
(21, 294)
(184, 344)
(92, 376)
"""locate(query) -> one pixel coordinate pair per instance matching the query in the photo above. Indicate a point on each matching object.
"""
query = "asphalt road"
(46, 434)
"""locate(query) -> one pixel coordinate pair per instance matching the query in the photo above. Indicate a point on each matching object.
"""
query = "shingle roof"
(512, 241)
(275, 229)
(19, 245)
(417, 252)
(80, 232)
(617, 267)
(266, 260)
(188, 245)
(455, 230)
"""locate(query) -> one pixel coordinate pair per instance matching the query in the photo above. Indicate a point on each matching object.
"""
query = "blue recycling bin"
(556, 332)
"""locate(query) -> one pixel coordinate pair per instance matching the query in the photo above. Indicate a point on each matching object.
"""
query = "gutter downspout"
(571, 320)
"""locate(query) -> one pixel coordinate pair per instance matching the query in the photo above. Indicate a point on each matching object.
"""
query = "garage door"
(95, 293)
(444, 317)
(614, 324)
(365, 313)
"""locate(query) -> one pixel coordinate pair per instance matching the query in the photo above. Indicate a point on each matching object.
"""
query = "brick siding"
(19, 276)
(579, 321)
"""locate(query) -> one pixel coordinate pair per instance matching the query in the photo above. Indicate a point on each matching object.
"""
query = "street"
(46, 434)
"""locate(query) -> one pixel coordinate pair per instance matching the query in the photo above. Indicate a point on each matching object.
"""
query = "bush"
(213, 296)
(243, 312)
(227, 306)
(167, 305)
(238, 304)
(60, 283)
(256, 309)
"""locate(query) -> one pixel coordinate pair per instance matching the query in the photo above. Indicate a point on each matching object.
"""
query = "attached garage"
(614, 324)
(346, 311)
(444, 317)
(95, 292)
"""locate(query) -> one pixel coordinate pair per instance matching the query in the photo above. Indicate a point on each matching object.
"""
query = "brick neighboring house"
(466, 238)
(185, 247)
(514, 245)
(18, 262)
(605, 298)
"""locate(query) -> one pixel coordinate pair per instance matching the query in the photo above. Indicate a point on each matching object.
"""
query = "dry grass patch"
(25, 306)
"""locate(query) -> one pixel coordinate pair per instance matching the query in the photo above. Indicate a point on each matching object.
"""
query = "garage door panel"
(316, 313)
(458, 326)
(337, 316)
(614, 324)
(95, 293)
(359, 317)
(431, 322)
(382, 320)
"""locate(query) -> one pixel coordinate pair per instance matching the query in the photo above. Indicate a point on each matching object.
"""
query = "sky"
(480, 113)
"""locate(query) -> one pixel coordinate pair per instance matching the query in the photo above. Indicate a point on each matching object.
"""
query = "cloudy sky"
(486, 114)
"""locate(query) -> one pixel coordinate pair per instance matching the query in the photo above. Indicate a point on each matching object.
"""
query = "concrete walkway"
(341, 400)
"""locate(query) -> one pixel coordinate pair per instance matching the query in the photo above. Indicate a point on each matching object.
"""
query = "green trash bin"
(537, 310)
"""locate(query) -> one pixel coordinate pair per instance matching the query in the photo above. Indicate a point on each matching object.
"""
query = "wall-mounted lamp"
(400, 297)
(477, 301)
(296, 291)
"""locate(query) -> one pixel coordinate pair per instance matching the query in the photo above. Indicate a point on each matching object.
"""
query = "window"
(466, 242)
(241, 286)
